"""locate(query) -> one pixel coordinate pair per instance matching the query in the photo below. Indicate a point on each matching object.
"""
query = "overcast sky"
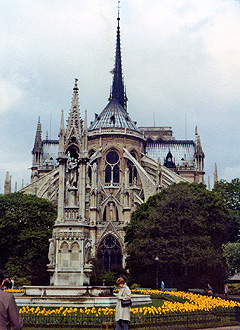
(181, 61)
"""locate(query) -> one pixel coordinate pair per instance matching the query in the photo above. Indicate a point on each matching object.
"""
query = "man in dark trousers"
(9, 315)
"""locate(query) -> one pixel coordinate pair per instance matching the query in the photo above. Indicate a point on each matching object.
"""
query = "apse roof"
(113, 116)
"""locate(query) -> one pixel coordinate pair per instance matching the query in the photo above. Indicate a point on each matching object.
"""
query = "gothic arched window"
(110, 253)
(90, 173)
(112, 167)
(110, 212)
(132, 169)
(64, 255)
(75, 255)
(108, 173)
(104, 215)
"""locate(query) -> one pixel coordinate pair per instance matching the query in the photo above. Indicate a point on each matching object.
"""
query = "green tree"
(184, 226)
(230, 192)
(231, 252)
(26, 223)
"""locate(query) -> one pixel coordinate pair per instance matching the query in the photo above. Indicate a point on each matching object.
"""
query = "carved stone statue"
(94, 175)
(87, 252)
(72, 169)
(51, 252)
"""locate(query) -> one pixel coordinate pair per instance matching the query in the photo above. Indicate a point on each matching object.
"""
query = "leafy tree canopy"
(231, 252)
(26, 223)
(184, 226)
(230, 192)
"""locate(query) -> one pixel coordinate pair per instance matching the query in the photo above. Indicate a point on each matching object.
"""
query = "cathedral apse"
(99, 174)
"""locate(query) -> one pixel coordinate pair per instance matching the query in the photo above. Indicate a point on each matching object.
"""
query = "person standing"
(225, 289)
(9, 315)
(162, 286)
(210, 289)
(122, 316)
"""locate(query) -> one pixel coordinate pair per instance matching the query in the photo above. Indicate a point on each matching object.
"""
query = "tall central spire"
(118, 93)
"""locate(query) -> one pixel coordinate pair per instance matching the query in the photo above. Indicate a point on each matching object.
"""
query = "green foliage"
(231, 252)
(110, 278)
(100, 274)
(230, 192)
(185, 226)
(135, 286)
(23, 281)
(169, 298)
(26, 222)
(234, 289)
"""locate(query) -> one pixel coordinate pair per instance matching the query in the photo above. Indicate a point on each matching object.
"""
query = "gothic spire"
(38, 138)
(118, 93)
(61, 134)
(215, 175)
(74, 120)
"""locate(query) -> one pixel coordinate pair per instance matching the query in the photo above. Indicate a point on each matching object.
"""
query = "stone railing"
(71, 213)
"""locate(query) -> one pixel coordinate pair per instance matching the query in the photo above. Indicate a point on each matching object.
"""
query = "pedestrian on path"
(210, 289)
(122, 316)
(162, 286)
(225, 289)
(9, 315)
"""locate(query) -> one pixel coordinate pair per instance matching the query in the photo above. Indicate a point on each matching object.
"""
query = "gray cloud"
(181, 60)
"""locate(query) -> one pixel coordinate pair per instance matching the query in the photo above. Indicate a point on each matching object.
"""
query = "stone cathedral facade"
(98, 175)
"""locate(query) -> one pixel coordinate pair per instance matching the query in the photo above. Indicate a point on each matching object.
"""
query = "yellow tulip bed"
(15, 290)
(192, 306)
(192, 303)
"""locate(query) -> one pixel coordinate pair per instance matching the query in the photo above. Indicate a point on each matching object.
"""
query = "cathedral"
(98, 175)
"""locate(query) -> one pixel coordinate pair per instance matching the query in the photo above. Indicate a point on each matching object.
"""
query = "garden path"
(236, 327)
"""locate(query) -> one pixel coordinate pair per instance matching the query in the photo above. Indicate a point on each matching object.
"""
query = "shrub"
(135, 286)
(23, 281)
(234, 288)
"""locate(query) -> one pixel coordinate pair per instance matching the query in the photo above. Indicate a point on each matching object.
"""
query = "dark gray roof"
(113, 116)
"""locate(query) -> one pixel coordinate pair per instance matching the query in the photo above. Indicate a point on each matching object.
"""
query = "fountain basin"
(83, 296)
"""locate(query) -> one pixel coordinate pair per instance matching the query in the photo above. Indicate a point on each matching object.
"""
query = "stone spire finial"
(209, 186)
(61, 134)
(85, 134)
(198, 145)
(196, 133)
(74, 120)
(38, 138)
(37, 149)
(215, 175)
(7, 184)
(85, 121)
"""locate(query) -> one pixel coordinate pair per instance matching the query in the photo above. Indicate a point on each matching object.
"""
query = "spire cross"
(75, 89)
(118, 10)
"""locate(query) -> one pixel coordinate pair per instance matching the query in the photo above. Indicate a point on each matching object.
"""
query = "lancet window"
(64, 255)
(75, 255)
(132, 169)
(112, 167)
(110, 212)
(110, 253)
(90, 167)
